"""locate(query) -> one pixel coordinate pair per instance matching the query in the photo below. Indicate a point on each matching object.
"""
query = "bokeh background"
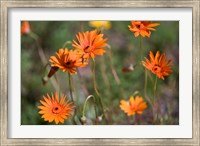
(113, 83)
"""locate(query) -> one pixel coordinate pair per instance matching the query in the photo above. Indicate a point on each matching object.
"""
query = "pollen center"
(87, 49)
(68, 64)
(56, 110)
(156, 69)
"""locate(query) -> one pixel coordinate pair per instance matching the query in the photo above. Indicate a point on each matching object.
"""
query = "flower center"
(56, 110)
(67, 63)
(138, 26)
(87, 49)
(133, 107)
(156, 69)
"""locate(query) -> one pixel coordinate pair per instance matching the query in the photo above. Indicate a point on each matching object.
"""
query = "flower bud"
(44, 80)
(100, 118)
(83, 120)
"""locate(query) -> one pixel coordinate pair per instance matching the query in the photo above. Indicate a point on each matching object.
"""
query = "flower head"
(142, 28)
(67, 60)
(53, 109)
(25, 28)
(133, 106)
(90, 43)
(158, 64)
(100, 24)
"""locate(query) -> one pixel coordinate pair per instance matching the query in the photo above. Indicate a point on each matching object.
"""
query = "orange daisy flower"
(25, 28)
(158, 64)
(54, 110)
(142, 28)
(133, 106)
(90, 43)
(67, 61)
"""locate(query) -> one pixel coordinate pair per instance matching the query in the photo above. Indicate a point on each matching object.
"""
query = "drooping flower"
(90, 43)
(142, 28)
(53, 109)
(158, 65)
(67, 61)
(100, 24)
(133, 106)
(25, 27)
(128, 68)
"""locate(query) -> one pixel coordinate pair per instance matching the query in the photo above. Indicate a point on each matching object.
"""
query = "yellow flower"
(100, 24)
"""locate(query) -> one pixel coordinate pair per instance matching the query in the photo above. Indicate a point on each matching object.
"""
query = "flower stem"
(66, 43)
(96, 90)
(43, 58)
(145, 88)
(114, 72)
(154, 98)
(84, 106)
(70, 87)
(141, 48)
(154, 89)
(71, 95)
(145, 75)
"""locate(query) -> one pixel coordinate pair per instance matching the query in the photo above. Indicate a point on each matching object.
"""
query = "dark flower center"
(87, 49)
(156, 69)
(68, 64)
(138, 26)
(56, 110)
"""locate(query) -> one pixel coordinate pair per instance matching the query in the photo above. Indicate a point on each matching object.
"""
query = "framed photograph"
(99, 73)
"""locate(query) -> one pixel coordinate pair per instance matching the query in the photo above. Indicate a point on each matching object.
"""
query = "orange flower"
(158, 64)
(142, 28)
(25, 28)
(67, 61)
(54, 110)
(133, 106)
(91, 43)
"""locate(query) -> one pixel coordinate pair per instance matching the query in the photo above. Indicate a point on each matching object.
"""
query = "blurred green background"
(124, 52)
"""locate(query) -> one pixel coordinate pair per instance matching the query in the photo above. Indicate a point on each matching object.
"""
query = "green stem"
(145, 82)
(84, 106)
(145, 88)
(78, 110)
(154, 96)
(34, 36)
(71, 95)
(154, 89)
(96, 90)
(94, 78)
(66, 43)
(70, 87)
(114, 72)
(145, 75)
(81, 26)
(141, 48)
(43, 58)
